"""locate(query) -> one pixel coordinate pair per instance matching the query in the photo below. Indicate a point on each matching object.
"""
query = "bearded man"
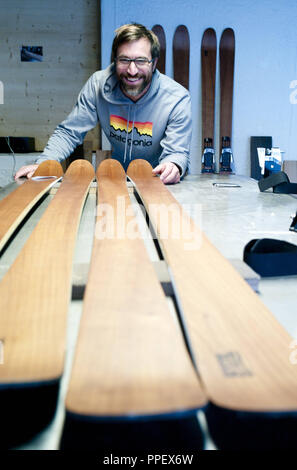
(143, 113)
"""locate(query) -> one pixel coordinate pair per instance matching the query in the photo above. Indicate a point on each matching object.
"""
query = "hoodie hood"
(112, 93)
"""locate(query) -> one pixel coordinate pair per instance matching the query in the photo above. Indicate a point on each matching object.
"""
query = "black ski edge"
(26, 409)
(140, 434)
(251, 430)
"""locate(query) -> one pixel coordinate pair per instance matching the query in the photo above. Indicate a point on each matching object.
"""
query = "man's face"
(135, 81)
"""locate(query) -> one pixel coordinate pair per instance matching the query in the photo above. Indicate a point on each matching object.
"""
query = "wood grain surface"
(130, 359)
(241, 351)
(35, 292)
(181, 56)
(16, 205)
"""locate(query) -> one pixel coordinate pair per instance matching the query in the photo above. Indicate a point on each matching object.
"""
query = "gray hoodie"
(157, 127)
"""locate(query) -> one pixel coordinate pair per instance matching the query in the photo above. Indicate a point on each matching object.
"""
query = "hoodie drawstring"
(130, 156)
(127, 134)
(127, 130)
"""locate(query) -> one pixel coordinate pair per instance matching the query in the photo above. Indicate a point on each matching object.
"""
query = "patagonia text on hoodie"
(157, 128)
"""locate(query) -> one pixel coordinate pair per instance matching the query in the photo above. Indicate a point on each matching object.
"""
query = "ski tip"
(49, 168)
(139, 167)
(228, 32)
(158, 29)
(209, 39)
(181, 29)
(160, 33)
(81, 166)
(227, 38)
(110, 168)
(181, 38)
(209, 33)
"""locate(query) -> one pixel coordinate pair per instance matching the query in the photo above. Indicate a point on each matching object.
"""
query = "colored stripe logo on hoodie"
(120, 123)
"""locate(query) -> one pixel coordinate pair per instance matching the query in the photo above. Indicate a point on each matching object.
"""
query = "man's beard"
(132, 90)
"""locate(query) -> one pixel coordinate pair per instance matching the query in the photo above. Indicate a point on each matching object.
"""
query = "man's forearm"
(60, 145)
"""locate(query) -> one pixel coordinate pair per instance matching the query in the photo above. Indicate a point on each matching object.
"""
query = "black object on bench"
(279, 182)
(270, 257)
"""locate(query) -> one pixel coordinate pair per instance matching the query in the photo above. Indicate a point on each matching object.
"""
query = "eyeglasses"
(139, 61)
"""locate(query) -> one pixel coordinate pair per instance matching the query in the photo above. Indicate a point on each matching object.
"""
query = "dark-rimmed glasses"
(139, 61)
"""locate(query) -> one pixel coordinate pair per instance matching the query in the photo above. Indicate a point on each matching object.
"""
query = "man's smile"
(132, 80)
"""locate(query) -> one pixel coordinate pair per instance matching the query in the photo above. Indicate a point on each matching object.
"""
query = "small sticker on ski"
(232, 365)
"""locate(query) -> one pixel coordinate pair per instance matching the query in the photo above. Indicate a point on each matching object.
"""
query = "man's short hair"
(132, 32)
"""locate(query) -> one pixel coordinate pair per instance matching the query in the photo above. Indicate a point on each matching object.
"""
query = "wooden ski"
(181, 56)
(242, 353)
(130, 359)
(227, 53)
(34, 298)
(16, 205)
(208, 72)
(159, 32)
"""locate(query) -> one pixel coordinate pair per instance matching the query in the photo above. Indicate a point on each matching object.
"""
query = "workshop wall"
(39, 95)
(265, 63)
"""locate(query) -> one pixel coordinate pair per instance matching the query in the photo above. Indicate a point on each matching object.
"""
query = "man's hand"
(27, 170)
(168, 171)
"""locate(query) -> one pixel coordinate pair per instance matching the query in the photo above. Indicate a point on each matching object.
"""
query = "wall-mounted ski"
(227, 53)
(208, 69)
(181, 56)
(159, 32)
